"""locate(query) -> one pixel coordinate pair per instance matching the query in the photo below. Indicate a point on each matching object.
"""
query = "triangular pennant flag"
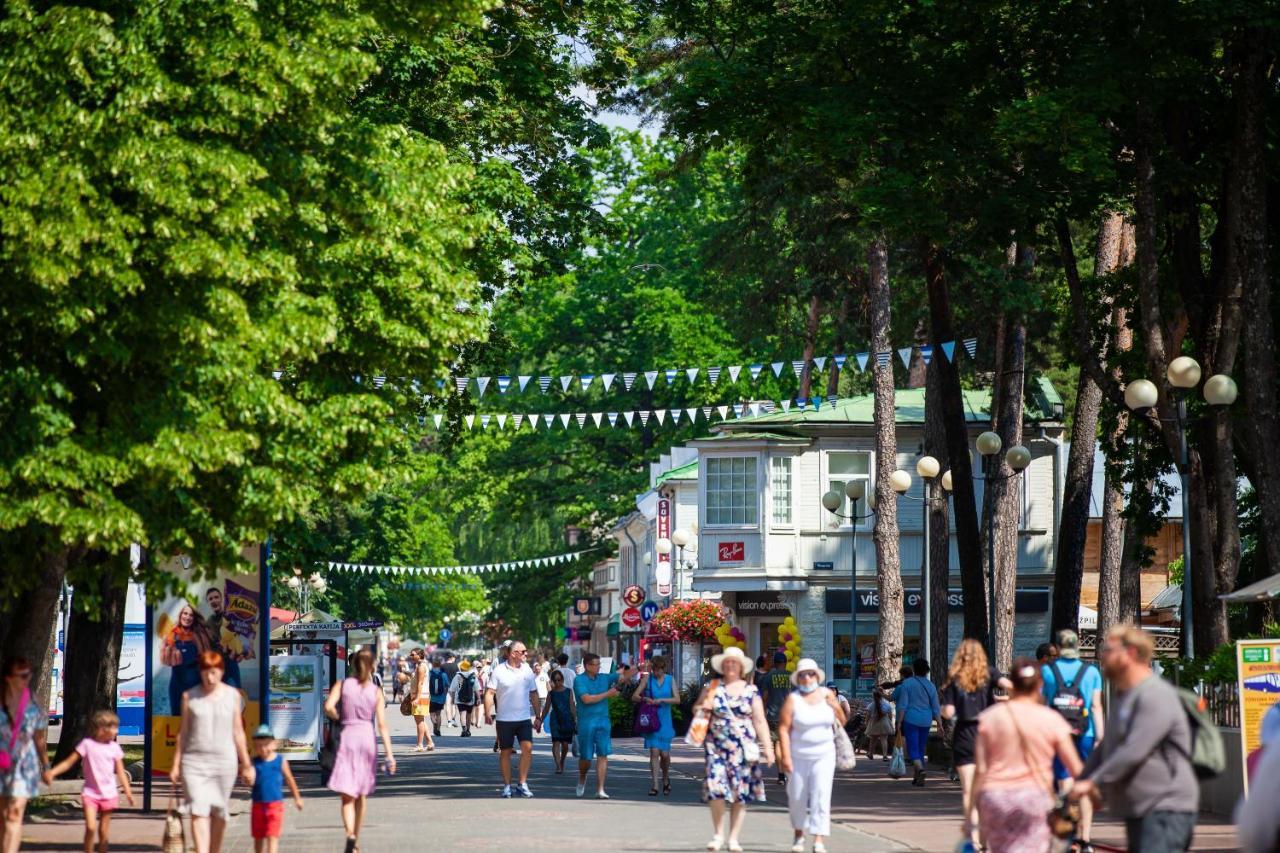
(800, 403)
(798, 367)
(502, 421)
(786, 406)
(706, 413)
(613, 419)
(482, 382)
(839, 360)
(484, 421)
(926, 353)
(471, 421)
(754, 409)
(713, 374)
(607, 379)
(817, 403)
(821, 362)
(627, 379)
(651, 376)
(596, 416)
(630, 417)
(276, 374)
(738, 409)
(644, 418)
(660, 414)
(755, 371)
(692, 373)
(948, 350)
(882, 359)
(862, 358)
(693, 415)
(519, 420)
(461, 382)
(439, 384)
(544, 382)
(777, 368)
(585, 380)
(523, 380)
(675, 417)
(723, 411)
(565, 382)
(379, 381)
(971, 347)
(548, 420)
(831, 399)
(734, 372)
(671, 376)
(533, 422)
(904, 353)
(437, 419)
(564, 420)
(504, 383)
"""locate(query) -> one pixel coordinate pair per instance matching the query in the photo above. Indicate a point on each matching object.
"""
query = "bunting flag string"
(475, 569)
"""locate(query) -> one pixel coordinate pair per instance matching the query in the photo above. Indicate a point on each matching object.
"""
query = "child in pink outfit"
(103, 767)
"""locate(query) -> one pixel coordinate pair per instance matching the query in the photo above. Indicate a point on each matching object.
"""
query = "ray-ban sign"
(732, 552)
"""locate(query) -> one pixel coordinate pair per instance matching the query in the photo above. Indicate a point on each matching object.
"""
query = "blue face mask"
(807, 688)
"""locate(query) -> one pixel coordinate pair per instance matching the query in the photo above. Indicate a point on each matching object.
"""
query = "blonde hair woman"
(737, 739)
(970, 690)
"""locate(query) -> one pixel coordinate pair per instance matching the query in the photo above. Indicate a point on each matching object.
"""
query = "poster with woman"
(222, 614)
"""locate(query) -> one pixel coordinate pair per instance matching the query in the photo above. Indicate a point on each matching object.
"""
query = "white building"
(766, 543)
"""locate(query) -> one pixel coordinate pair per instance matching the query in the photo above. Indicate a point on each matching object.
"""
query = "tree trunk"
(1111, 552)
(935, 445)
(841, 338)
(1006, 492)
(888, 565)
(965, 509)
(93, 656)
(1131, 568)
(34, 615)
(810, 344)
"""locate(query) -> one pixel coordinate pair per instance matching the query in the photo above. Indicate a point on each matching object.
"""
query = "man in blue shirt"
(918, 708)
(1074, 689)
(593, 689)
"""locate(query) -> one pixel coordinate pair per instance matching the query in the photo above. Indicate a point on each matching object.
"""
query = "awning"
(1262, 590)
(741, 583)
(614, 626)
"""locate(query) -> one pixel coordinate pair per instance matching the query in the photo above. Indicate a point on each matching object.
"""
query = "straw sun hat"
(731, 653)
(807, 665)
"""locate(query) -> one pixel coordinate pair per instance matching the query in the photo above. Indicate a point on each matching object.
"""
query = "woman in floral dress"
(737, 742)
(25, 763)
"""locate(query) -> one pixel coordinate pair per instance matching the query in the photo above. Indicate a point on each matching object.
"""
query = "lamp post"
(305, 588)
(1018, 458)
(1140, 395)
(928, 468)
(681, 538)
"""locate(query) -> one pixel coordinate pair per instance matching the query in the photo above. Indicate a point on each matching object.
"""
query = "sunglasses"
(24, 675)
(518, 652)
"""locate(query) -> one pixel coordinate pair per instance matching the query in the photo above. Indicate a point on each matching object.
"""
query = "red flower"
(690, 620)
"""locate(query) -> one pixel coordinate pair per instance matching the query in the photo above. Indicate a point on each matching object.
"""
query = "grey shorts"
(1160, 832)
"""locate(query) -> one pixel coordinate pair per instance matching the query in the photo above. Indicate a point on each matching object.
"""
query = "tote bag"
(647, 719)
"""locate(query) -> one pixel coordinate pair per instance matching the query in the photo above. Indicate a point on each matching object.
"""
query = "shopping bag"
(174, 839)
(897, 764)
(846, 759)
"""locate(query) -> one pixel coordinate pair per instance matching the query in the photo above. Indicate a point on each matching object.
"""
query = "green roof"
(908, 404)
(688, 471)
(780, 436)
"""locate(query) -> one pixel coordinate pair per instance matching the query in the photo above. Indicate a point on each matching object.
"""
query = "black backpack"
(1069, 701)
(467, 689)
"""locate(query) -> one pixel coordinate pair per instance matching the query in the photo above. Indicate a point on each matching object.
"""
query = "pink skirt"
(1015, 820)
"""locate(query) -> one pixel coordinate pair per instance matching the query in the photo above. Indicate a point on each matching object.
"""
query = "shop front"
(760, 615)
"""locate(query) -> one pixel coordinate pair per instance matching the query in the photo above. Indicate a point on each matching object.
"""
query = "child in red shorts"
(270, 770)
(103, 767)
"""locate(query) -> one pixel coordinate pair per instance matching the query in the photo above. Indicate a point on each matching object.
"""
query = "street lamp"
(856, 490)
(680, 538)
(1018, 458)
(1141, 395)
(927, 467)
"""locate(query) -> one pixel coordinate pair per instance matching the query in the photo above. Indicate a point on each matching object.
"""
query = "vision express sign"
(1025, 601)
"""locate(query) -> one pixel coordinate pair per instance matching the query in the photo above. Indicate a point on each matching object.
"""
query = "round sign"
(664, 589)
(633, 595)
(631, 618)
(648, 611)
(445, 635)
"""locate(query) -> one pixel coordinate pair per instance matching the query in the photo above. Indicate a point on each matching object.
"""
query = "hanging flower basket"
(694, 621)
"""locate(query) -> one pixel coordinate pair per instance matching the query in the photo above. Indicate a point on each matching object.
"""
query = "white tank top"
(811, 732)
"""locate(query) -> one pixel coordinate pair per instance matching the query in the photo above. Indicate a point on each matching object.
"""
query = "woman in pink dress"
(356, 703)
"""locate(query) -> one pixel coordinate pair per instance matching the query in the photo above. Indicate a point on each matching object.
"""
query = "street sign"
(445, 635)
(633, 595)
(648, 611)
(664, 589)
(587, 606)
(732, 552)
(631, 618)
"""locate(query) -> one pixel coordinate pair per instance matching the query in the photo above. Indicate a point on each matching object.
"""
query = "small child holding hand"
(103, 767)
(270, 771)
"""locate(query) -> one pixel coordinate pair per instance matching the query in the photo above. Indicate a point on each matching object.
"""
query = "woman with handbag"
(1013, 760)
(808, 727)
(737, 739)
(655, 695)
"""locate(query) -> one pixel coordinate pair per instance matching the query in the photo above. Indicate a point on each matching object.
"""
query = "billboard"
(224, 614)
(1258, 665)
(297, 699)
(131, 673)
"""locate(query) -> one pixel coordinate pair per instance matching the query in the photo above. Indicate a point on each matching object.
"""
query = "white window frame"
(774, 491)
(830, 484)
(753, 465)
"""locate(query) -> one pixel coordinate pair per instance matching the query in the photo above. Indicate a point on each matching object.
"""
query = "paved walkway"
(448, 800)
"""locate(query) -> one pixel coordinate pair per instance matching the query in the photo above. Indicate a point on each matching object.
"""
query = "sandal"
(666, 788)
(715, 843)
(653, 792)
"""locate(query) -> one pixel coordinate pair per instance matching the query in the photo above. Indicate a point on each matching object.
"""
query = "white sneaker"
(582, 788)
(601, 795)
(523, 788)
(798, 847)
(506, 792)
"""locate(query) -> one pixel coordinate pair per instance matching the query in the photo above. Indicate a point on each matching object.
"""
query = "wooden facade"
(1167, 545)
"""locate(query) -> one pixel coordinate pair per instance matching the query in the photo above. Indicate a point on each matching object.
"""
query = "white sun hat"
(731, 653)
(808, 665)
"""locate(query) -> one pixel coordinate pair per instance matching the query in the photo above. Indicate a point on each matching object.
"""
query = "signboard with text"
(297, 698)
(631, 617)
(761, 604)
(731, 552)
(1258, 665)
(662, 572)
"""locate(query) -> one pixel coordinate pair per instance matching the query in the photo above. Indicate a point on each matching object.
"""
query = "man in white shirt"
(511, 697)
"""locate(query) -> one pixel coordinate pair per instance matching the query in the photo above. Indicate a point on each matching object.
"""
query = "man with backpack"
(1073, 688)
(463, 690)
(438, 687)
(778, 688)
(1143, 770)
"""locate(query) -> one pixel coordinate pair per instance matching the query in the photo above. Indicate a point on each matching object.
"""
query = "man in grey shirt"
(1142, 771)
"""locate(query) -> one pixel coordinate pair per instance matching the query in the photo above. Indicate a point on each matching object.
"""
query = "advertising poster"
(131, 675)
(296, 703)
(223, 614)
(1258, 663)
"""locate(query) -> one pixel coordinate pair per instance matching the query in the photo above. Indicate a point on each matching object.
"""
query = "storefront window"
(868, 632)
(732, 495)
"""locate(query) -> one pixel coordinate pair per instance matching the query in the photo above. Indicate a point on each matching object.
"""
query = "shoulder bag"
(1064, 815)
(846, 758)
